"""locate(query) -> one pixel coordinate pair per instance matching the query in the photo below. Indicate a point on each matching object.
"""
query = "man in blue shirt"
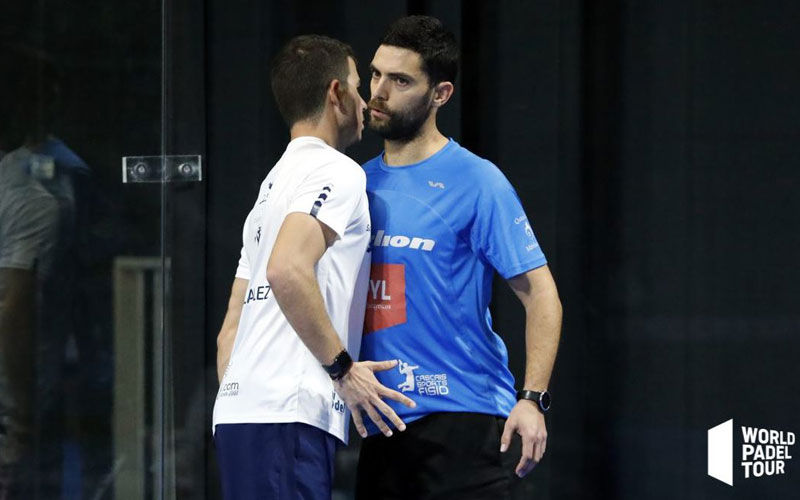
(443, 221)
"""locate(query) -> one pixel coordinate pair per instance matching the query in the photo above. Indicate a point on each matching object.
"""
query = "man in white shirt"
(296, 312)
(28, 237)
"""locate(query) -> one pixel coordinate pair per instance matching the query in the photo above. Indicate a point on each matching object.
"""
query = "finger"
(538, 451)
(541, 445)
(508, 432)
(390, 414)
(527, 469)
(380, 366)
(376, 418)
(523, 467)
(397, 396)
(526, 458)
(362, 431)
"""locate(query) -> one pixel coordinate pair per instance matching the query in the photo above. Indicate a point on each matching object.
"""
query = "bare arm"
(17, 339)
(301, 242)
(298, 247)
(538, 294)
(227, 334)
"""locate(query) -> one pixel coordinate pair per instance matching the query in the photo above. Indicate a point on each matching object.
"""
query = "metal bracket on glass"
(172, 168)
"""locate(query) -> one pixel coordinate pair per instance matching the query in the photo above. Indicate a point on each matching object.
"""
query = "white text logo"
(764, 452)
(415, 243)
(424, 385)
(375, 285)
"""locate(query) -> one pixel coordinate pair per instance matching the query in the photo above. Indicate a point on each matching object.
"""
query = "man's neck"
(320, 129)
(422, 147)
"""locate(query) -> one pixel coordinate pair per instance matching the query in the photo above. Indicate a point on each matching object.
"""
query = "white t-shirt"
(28, 216)
(272, 377)
(28, 235)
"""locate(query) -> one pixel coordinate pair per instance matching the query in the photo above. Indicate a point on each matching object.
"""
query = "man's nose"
(380, 89)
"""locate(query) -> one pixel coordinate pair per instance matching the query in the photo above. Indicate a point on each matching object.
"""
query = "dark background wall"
(654, 146)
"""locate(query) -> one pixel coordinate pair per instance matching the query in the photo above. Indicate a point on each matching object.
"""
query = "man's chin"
(379, 129)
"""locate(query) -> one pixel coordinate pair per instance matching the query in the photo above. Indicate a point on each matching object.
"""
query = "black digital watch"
(340, 366)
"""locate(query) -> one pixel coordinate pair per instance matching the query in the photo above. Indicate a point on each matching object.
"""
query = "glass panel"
(81, 265)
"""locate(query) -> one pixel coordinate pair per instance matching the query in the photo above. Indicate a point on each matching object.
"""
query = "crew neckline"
(387, 168)
(306, 139)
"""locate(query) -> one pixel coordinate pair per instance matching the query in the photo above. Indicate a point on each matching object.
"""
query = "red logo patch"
(386, 297)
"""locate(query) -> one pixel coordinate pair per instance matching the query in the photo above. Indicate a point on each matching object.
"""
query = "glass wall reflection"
(80, 260)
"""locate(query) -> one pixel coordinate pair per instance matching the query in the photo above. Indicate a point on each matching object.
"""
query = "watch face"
(544, 401)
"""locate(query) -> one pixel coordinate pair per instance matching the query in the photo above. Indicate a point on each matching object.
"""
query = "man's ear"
(442, 93)
(334, 92)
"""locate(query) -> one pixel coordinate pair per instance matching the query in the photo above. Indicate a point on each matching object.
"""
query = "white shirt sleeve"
(243, 269)
(331, 193)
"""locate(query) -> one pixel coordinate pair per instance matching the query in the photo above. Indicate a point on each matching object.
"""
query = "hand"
(528, 422)
(360, 390)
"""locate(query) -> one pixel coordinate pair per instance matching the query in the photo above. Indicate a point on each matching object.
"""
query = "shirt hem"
(277, 418)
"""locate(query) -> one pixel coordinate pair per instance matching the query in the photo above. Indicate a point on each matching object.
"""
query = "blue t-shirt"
(439, 230)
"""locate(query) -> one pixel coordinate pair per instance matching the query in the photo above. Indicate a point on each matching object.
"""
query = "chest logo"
(386, 299)
(381, 239)
(439, 185)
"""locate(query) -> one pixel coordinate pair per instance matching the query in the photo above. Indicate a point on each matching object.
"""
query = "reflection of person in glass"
(28, 232)
(39, 177)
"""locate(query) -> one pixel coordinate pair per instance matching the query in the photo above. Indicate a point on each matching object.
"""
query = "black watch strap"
(542, 399)
(340, 366)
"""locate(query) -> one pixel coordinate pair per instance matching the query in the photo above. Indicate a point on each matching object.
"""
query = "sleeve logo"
(321, 199)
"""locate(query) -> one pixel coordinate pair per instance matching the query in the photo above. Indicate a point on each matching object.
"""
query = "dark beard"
(401, 126)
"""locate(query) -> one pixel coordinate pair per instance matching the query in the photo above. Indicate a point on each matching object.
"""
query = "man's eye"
(401, 81)
(375, 74)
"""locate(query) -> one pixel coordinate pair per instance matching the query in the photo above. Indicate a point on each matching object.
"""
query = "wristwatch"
(340, 366)
(542, 399)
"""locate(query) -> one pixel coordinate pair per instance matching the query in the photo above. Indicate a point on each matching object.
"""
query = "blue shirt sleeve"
(501, 233)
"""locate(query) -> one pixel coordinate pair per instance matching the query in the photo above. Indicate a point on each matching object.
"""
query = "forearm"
(299, 297)
(227, 334)
(542, 334)
(225, 340)
(17, 336)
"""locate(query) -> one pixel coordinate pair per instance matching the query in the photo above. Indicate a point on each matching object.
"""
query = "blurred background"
(654, 146)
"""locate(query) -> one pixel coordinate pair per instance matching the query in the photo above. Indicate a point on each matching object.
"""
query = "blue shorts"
(276, 461)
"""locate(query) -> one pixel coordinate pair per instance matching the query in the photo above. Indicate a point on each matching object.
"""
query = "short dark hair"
(428, 37)
(301, 72)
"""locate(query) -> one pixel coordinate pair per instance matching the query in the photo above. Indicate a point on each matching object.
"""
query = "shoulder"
(373, 164)
(21, 193)
(324, 161)
(340, 172)
(480, 173)
(348, 168)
